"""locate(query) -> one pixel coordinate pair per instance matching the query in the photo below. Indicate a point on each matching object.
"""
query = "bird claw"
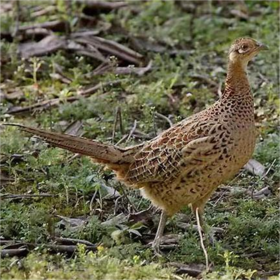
(156, 247)
(167, 242)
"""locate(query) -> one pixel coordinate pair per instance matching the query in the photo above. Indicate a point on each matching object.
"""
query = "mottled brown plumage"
(185, 164)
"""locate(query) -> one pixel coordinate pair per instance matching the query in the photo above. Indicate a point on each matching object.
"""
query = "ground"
(63, 216)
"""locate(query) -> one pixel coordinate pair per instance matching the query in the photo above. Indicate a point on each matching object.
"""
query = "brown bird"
(185, 164)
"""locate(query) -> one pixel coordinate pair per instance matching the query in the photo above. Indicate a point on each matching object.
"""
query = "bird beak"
(262, 46)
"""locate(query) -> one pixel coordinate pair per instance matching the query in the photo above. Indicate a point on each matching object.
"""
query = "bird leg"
(159, 234)
(207, 230)
(198, 218)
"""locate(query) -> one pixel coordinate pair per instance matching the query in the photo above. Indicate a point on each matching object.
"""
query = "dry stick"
(12, 252)
(164, 117)
(103, 4)
(42, 12)
(78, 201)
(140, 71)
(182, 268)
(56, 101)
(263, 191)
(120, 120)
(131, 131)
(268, 273)
(201, 239)
(267, 171)
(100, 201)
(126, 137)
(52, 247)
(49, 25)
(91, 201)
(116, 205)
(115, 124)
(23, 196)
(66, 241)
(67, 248)
(122, 139)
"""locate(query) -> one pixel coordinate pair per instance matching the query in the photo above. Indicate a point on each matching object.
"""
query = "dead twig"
(59, 75)
(13, 252)
(118, 119)
(20, 249)
(106, 66)
(91, 201)
(268, 273)
(42, 12)
(127, 137)
(47, 45)
(113, 48)
(193, 270)
(86, 92)
(5, 179)
(140, 71)
(164, 118)
(72, 241)
(262, 193)
(131, 131)
(116, 205)
(26, 196)
(70, 249)
(102, 5)
(101, 69)
(55, 25)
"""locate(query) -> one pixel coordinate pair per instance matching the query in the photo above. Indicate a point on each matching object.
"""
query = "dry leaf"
(255, 167)
(47, 45)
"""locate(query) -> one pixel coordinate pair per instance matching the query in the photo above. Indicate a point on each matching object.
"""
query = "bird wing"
(189, 145)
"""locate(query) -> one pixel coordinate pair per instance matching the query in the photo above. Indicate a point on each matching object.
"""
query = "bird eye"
(244, 48)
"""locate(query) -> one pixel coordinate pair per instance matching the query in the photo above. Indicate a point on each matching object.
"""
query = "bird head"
(244, 49)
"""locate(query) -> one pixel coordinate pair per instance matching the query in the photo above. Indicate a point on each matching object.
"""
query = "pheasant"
(186, 163)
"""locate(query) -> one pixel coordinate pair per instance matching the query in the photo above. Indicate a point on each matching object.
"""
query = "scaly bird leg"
(159, 234)
(198, 218)
(207, 230)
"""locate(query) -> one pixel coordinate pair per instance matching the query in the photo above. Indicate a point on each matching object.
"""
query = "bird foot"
(166, 242)
(156, 247)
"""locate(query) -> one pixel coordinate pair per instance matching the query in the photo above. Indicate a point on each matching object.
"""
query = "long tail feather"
(102, 152)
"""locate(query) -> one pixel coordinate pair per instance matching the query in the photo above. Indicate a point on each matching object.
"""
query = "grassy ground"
(187, 43)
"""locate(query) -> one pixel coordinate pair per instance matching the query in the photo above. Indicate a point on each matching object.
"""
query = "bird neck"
(237, 84)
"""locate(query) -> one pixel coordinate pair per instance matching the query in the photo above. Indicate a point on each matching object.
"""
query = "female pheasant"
(185, 164)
